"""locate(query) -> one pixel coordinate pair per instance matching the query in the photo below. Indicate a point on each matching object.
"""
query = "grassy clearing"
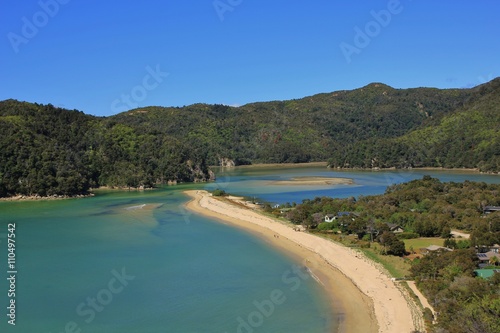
(418, 243)
(396, 266)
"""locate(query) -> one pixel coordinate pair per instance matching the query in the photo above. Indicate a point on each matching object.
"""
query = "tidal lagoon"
(140, 262)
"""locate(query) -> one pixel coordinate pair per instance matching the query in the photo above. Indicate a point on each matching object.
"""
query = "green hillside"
(302, 130)
(466, 138)
(45, 150)
(48, 151)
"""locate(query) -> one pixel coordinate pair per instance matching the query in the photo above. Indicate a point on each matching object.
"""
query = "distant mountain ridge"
(45, 150)
(301, 130)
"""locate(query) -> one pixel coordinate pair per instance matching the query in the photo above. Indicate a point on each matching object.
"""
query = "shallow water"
(181, 272)
(110, 264)
(257, 182)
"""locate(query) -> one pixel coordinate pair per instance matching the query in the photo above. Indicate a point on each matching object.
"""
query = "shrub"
(326, 226)
(219, 193)
(367, 237)
(407, 235)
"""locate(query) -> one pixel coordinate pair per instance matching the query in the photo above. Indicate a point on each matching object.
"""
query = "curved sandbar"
(369, 299)
(316, 181)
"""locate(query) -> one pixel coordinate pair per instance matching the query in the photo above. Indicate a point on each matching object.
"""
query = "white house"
(333, 217)
(330, 218)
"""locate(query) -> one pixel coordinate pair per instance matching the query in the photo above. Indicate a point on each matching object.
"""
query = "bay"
(109, 264)
(183, 272)
(258, 181)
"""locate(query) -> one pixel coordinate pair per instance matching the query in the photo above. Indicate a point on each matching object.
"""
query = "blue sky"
(104, 57)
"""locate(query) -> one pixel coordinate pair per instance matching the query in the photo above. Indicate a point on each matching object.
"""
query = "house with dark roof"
(395, 228)
(488, 258)
(330, 217)
(490, 209)
(333, 217)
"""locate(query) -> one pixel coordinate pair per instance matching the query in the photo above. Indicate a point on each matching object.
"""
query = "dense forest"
(466, 138)
(46, 150)
(49, 151)
(303, 130)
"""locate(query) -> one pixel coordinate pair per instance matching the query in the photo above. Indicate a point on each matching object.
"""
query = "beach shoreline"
(22, 198)
(362, 297)
(276, 165)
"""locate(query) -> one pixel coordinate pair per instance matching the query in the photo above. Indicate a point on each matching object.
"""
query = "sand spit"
(313, 181)
(367, 297)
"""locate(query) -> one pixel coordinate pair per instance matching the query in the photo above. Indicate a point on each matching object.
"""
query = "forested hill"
(303, 130)
(469, 137)
(47, 150)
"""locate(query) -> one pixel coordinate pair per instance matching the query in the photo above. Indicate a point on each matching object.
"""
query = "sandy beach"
(363, 297)
(314, 181)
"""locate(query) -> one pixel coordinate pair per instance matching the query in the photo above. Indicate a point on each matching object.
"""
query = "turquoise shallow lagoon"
(103, 264)
(180, 272)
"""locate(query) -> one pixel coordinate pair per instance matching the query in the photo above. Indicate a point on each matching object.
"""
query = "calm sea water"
(99, 265)
(257, 181)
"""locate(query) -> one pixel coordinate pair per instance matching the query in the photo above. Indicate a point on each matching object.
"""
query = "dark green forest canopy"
(51, 151)
(46, 150)
(468, 137)
(303, 130)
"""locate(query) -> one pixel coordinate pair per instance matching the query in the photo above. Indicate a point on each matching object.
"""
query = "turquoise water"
(258, 182)
(182, 272)
(98, 265)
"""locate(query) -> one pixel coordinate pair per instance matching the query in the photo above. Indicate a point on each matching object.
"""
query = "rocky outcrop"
(226, 162)
(199, 173)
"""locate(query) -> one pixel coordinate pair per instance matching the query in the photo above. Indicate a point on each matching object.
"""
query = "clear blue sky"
(88, 55)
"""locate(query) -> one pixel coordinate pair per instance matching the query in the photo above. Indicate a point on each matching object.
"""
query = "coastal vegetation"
(429, 208)
(420, 208)
(465, 303)
(46, 150)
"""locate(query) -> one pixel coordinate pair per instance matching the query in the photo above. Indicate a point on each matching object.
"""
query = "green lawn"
(396, 266)
(418, 243)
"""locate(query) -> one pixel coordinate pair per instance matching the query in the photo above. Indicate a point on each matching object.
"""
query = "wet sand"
(313, 181)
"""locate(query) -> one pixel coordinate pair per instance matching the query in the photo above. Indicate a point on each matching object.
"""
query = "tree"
(494, 261)
(446, 232)
(392, 245)
(219, 193)
(397, 248)
(450, 243)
